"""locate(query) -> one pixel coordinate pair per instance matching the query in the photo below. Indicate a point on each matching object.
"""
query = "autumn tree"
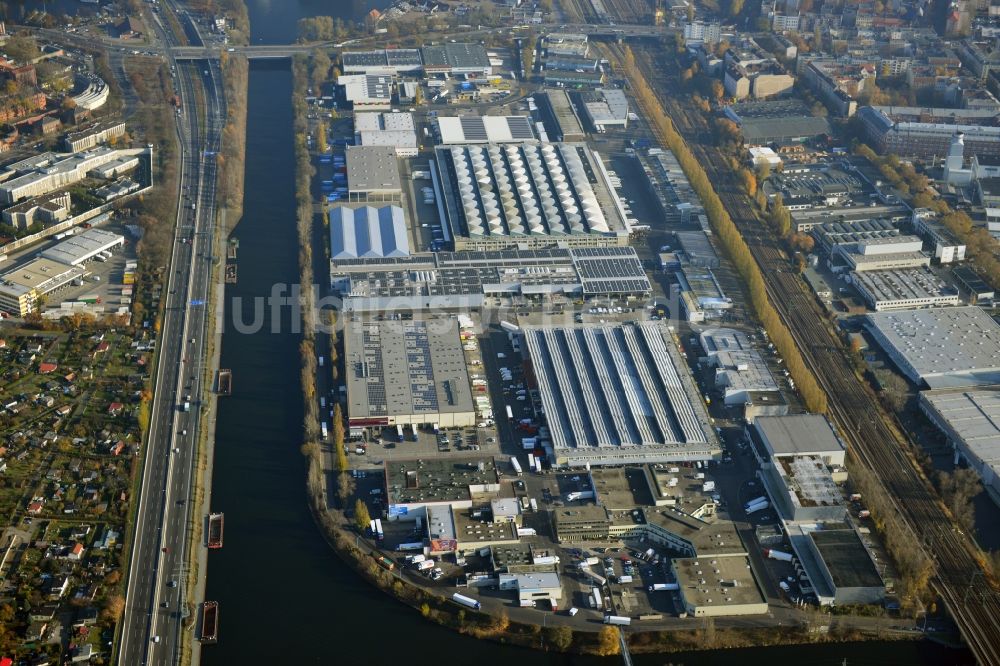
(608, 642)
(362, 519)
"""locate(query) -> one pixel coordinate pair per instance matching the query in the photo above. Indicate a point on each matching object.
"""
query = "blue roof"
(368, 232)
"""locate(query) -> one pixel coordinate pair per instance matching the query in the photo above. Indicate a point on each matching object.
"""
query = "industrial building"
(873, 251)
(83, 247)
(577, 524)
(456, 58)
(947, 247)
(844, 565)
(40, 174)
(973, 286)
(970, 420)
(406, 373)
(395, 130)
(806, 219)
(903, 289)
(464, 280)
(606, 107)
(618, 393)
(776, 122)
(804, 488)
(21, 287)
(366, 92)
(568, 127)
(925, 140)
(413, 485)
(484, 129)
(777, 437)
(382, 62)
(700, 295)
(567, 44)
(528, 195)
(741, 373)
(367, 232)
(373, 173)
(718, 587)
(941, 347)
(540, 586)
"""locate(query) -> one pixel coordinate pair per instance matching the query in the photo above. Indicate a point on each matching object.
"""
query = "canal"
(284, 596)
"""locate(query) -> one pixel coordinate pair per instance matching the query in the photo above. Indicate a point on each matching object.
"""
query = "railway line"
(876, 443)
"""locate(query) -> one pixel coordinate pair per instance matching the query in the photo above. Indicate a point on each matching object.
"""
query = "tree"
(22, 48)
(320, 68)
(114, 606)
(362, 519)
(749, 182)
(607, 642)
(560, 637)
(345, 487)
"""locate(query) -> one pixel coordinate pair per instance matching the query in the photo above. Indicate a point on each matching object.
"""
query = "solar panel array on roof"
(472, 127)
(611, 390)
(520, 128)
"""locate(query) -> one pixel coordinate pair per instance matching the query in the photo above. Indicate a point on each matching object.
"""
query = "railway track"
(875, 442)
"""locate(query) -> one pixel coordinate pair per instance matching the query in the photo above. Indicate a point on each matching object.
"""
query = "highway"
(157, 602)
(872, 439)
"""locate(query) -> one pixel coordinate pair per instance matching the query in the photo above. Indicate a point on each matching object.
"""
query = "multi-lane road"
(157, 602)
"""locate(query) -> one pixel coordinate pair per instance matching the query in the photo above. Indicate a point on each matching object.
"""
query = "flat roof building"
(847, 567)
(456, 482)
(575, 524)
(903, 289)
(568, 123)
(941, 347)
(528, 195)
(21, 287)
(540, 586)
(367, 92)
(970, 419)
(606, 107)
(373, 173)
(618, 393)
(407, 373)
(382, 61)
(93, 135)
(804, 488)
(718, 587)
(367, 232)
(463, 280)
(484, 129)
(776, 437)
(457, 58)
(395, 130)
(81, 248)
(740, 370)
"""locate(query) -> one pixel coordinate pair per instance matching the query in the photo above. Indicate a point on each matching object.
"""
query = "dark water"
(275, 21)
(16, 10)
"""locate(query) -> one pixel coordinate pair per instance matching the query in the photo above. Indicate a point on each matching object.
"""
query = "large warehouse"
(81, 248)
(970, 419)
(529, 195)
(406, 372)
(464, 280)
(618, 393)
(367, 232)
(941, 347)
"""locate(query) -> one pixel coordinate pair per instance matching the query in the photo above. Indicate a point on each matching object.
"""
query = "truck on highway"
(617, 619)
(379, 534)
(661, 587)
(186, 406)
(510, 413)
(415, 559)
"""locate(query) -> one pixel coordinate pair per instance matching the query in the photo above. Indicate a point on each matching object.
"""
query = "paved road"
(156, 600)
